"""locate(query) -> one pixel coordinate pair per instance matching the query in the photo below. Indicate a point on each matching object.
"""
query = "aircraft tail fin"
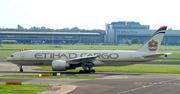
(153, 43)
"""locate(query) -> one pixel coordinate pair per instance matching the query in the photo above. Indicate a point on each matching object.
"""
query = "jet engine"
(60, 65)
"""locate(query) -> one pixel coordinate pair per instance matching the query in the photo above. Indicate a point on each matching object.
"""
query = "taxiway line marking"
(149, 83)
(74, 87)
(146, 86)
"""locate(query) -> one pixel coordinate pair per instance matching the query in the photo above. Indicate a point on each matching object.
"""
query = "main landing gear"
(20, 68)
(87, 71)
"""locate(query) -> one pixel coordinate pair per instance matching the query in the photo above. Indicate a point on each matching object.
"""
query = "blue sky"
(88, 14)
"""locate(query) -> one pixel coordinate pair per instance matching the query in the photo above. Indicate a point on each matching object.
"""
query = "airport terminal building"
(51, 37)
(118, 32)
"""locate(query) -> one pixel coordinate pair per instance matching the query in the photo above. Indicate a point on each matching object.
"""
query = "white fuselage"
(106, 57)
(61, 60)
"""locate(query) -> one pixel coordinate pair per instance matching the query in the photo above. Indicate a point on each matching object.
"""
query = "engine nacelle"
(59, 65)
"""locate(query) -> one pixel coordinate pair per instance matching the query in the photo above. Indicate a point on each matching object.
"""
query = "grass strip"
(3, 58)
(22, 89)
(138, 68)
(105, 47)
(7, 53)
(60, 76)
(12, 46)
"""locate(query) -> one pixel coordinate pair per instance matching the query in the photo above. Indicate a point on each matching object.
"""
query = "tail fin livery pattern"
(153, 43)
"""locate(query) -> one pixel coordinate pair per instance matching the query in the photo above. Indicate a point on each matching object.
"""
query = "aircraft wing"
(156, 55)
(82, 59)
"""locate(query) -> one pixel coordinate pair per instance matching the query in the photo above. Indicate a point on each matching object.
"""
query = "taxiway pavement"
(110, 83)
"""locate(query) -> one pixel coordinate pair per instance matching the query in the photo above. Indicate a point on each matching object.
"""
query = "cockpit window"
(11, 55)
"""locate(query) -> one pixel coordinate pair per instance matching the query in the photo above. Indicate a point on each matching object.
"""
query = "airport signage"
(127, 32)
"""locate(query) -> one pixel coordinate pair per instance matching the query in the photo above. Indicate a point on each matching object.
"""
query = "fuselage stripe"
(52, 60)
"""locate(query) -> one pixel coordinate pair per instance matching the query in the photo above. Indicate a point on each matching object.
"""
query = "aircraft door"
(22, 56)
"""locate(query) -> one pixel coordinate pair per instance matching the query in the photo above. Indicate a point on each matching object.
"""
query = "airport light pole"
(52, 38)
(94, 40)
(45, 37)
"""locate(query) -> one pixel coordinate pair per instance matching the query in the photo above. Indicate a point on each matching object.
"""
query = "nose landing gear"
(20, 68)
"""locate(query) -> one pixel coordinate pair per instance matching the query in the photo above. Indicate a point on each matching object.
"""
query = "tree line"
(44, 29)
(133, 41)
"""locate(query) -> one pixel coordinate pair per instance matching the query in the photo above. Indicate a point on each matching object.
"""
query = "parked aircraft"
(62, 60)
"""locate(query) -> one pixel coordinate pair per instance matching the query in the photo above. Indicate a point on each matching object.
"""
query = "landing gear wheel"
(20, 67)
(93, 71)
(21, 70)
(81, 71)
(85, 66)
(87, 71)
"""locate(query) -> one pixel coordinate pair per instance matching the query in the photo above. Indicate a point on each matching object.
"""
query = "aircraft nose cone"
(8, 59)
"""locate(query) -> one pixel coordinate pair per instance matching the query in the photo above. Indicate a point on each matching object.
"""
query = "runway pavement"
(110, 83)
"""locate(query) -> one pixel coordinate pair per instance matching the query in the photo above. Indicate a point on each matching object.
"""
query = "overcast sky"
(88, 14)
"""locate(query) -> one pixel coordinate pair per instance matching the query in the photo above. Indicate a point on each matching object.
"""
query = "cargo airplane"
(62, 60)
